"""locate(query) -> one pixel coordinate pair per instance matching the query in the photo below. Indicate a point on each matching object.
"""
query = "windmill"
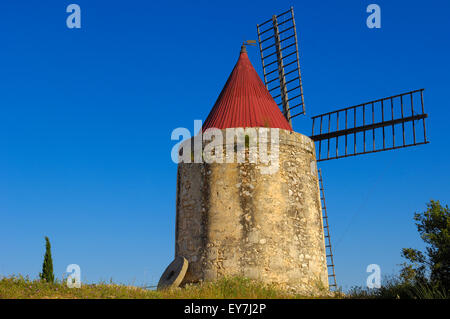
(234, 219)
(365, 128)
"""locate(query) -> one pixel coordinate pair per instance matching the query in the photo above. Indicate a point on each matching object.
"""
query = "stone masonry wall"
(234, 221)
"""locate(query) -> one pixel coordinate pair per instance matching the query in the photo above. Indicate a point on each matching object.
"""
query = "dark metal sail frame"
(327, 236)
(392, 111)
(278, 47)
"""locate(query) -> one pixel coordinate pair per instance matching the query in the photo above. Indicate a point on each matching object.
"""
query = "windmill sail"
(277, 38)
(327, 236)
(371, 127)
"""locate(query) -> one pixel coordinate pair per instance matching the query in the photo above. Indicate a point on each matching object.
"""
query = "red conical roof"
(245, 101)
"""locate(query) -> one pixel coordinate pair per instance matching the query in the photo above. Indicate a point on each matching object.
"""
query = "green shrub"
(47, 265)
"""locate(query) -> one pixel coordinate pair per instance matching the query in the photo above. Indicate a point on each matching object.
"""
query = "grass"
(394, 288)
(18, 287)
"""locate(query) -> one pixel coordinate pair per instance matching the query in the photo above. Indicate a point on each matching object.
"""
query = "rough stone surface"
(234, 221)
(174, 274)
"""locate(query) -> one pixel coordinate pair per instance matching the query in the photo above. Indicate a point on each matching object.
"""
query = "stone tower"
(234, 219)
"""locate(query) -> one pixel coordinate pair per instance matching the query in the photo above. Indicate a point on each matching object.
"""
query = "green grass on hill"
(18, 287)
(393, 288)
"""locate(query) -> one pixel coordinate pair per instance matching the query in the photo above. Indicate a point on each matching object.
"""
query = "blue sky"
(86, 117)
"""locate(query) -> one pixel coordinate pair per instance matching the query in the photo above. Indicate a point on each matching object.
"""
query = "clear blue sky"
(86, 117)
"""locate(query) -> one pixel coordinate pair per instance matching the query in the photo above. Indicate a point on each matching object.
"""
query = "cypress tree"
(47, 266)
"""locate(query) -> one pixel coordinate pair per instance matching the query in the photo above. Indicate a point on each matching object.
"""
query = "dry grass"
(18, 287)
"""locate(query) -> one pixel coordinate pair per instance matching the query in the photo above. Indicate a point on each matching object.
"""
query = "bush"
(47, 265)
